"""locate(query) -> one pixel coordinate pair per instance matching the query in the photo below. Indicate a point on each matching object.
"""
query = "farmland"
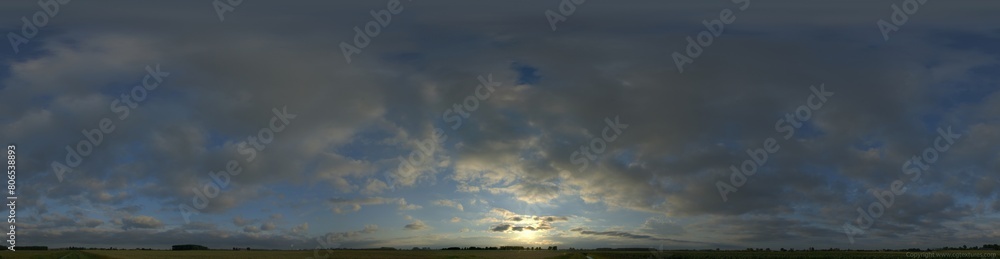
(564, 254)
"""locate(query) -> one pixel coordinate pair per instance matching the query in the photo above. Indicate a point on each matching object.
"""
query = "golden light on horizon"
(527, 235)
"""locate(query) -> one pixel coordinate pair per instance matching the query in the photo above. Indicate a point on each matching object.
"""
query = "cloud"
(551, 218)
(301, 229)
(662, 227)
(449, 203)
(349, 235)
(356, 204)
(251, 229)
(501, 228)
(514, 222)
(267, 226)
(503, 212)
(239, 221)
(456, 219)
(90, 223)
(141, 222)
(369, 229)
(511, 227)
(130, 209)
(618, 234)
(416, 225)
(374, 186)
(356, 119)
(404, 206)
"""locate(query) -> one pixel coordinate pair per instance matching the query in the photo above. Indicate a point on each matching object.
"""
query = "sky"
(569, 123)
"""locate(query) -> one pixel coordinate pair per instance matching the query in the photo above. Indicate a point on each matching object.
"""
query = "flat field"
(372, 254)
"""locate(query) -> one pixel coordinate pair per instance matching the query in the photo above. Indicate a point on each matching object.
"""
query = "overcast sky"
(475, 123)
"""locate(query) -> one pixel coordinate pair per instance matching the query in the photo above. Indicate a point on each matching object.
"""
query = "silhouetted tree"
(189, 247)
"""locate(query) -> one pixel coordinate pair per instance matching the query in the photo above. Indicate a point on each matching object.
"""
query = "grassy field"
(372, 254)
(226, 254)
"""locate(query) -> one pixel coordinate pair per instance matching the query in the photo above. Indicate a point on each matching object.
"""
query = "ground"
(366, 254)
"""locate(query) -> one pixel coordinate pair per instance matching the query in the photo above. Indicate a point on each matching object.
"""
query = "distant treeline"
(200, 247)
(623, 249)
(29, 248)
(188, 247)
(984, 247)
(499, 248)
(100, 248)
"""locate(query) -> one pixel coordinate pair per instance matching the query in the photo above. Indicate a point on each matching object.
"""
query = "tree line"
(500, 248)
